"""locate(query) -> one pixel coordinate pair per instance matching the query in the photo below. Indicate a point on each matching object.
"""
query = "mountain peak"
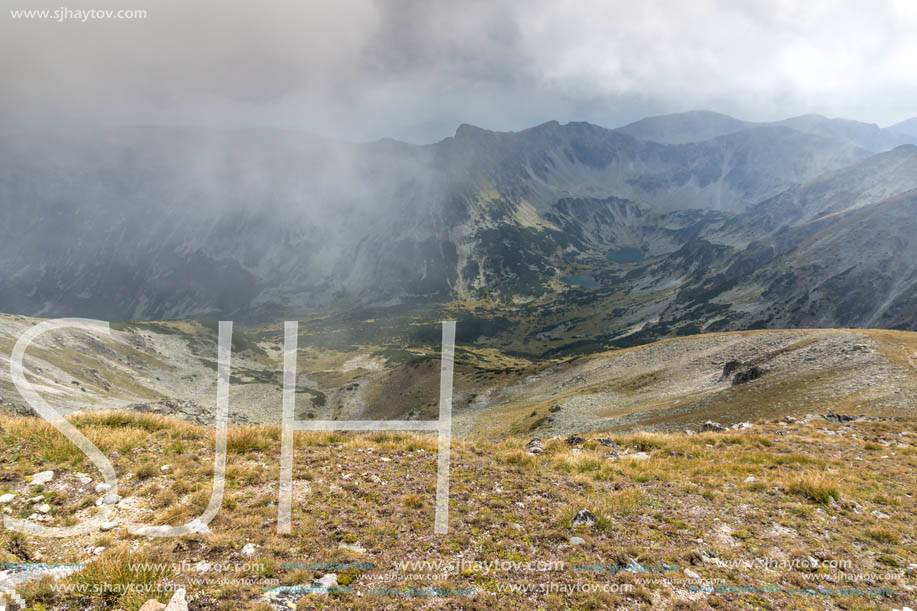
(466, 130)
(684, 127)
(907, 127)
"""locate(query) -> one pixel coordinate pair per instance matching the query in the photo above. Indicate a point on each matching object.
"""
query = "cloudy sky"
(414, 70)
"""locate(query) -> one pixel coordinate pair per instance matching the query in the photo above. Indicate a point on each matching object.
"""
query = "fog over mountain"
(155, 222)
(261, 162)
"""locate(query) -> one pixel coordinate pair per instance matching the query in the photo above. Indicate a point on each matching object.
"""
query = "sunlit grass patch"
(817, 487)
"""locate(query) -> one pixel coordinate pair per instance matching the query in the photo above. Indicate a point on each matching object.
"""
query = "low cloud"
(414, 69)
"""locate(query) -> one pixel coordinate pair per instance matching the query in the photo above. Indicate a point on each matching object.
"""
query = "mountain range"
(577, 234)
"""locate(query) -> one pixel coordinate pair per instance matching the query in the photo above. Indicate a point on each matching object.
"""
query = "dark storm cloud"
(414, 69)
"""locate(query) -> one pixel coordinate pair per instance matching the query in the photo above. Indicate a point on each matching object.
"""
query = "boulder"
(747, 375)
(832, 417)
(730, 368)
(326, 583)
(574, 440)
(714, 427)
(42, 478)
(178, 602)
(535, 446)
(584, 517)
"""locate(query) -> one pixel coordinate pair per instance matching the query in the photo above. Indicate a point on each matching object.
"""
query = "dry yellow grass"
(505, 505)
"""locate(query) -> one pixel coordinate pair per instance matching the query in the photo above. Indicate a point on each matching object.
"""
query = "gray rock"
(576, 541)
(107, 526)
(831, 416)
(747, 375)
(44, 508)
(102, 488)
(574, 440)
(879, 515)
(607, 442)
(535, 446)
(6, 498)
(584, 517)
(42, 478)
(712, 427)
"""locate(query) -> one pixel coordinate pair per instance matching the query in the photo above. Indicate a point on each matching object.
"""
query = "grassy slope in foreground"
(821, 490)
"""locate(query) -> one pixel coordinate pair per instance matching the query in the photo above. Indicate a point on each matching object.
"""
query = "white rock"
(691, 574)
(6, 498)
(36, 499)
(42, 478)
(165, 468)
(576, 541)
(327, 582)
(100, 488)
(198, 527)
(248, 549)
(178, 602)
(107, 526)
(111, 499)
(98, 551)
(879, 515)
(750, 480)
(45, 508)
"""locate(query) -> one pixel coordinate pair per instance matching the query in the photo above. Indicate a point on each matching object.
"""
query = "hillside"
(169, 368)
(787, 514)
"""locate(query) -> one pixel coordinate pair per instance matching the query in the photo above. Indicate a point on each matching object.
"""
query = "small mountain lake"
(586, 282)
(625, 255)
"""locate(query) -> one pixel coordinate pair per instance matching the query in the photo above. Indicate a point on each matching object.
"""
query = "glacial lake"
(625, 255)
(586, 282)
